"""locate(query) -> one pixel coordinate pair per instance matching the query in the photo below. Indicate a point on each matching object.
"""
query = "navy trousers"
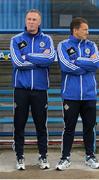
(36, 100)
(87, 111)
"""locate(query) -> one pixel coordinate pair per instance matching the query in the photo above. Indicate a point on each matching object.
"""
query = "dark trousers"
(87, 111)
(23, 101)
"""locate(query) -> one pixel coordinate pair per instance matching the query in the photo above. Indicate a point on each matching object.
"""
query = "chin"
(84, 38)
(31, 30)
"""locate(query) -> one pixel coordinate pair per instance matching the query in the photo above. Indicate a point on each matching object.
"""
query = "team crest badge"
(87, 51)
(42, 44)
(66, 107)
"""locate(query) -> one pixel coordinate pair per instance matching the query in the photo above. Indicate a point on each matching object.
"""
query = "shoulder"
(18, 36)
(90, 43)
(46, 36)
(64, 42)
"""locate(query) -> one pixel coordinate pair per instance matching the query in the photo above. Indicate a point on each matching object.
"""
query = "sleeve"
(17, 60)
(43, 59)
(89, 64)
(65, 63)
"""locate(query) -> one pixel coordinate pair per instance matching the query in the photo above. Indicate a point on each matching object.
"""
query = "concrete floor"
(77, 170)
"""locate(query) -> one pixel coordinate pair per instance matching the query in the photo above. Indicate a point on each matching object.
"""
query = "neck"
(33, 32)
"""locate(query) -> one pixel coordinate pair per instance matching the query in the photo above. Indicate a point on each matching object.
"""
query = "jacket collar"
(33, 35)
(75, 40)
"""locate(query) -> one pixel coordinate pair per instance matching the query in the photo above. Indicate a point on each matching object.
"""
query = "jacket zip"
(81, 90)
(32, 69)
(81, 87)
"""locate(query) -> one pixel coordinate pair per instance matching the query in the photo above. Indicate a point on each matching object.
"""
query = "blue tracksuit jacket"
(31, 66)
(78, 69)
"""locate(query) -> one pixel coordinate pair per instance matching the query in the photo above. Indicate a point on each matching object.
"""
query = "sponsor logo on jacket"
(22, 44)
(71, 51)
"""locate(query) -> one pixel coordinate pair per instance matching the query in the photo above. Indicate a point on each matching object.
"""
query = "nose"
(31, 21)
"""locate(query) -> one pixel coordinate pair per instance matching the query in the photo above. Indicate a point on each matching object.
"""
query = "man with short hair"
(32, 52)
(78, 59)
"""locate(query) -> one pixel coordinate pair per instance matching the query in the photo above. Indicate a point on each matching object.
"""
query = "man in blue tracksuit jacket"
(78, 59)
(32, 53)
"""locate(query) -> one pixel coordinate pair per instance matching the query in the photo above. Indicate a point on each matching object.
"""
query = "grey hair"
(34, 11)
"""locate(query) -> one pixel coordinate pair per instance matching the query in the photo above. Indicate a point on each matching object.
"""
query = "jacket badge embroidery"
(42, 44)
(66, 107)
(87, 51)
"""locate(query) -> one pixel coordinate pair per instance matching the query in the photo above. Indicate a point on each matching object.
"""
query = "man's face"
(33, 21)
(82, 32)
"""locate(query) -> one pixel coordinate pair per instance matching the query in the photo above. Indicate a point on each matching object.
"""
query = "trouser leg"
(88, 115)
(39, 113)
(71, 111)
(21, 109)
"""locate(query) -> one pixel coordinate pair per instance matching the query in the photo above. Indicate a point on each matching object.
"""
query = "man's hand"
(93, 56)
(23, 57)
(47, 51)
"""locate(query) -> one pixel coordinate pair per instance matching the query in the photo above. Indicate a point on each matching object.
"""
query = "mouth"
(31, 27)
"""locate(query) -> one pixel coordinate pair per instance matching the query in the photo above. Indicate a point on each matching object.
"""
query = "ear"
(74, 30)
(25, 22)
(39, 21)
